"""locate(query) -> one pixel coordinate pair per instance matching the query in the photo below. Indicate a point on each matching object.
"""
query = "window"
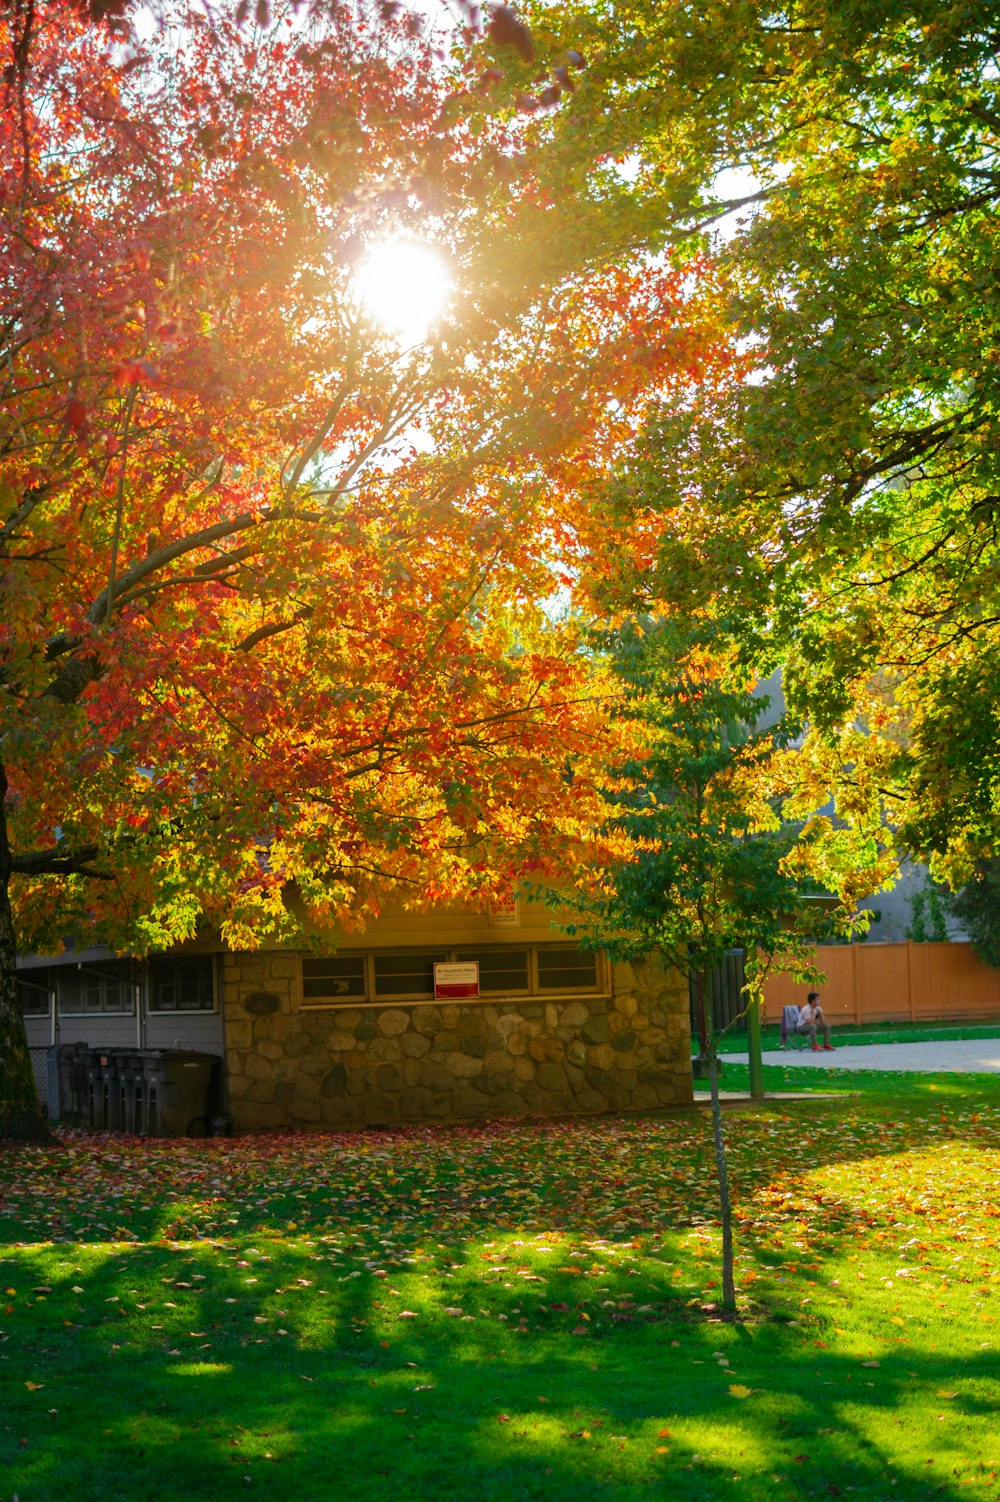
(402, 976)
(339, 978)
(33, 993)
(504, 970)
(182, 985)
(564, 967)
(108, 987)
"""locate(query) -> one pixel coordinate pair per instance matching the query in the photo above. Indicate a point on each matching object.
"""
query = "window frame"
(132, 982)
(321, 1003)
(25, 978)
(594, 990)
(180, 959)
(446, 953)
(473, 951)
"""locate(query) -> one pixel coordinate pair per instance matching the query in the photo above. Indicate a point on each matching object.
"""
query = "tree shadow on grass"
(302, 1335)
(394, 1396)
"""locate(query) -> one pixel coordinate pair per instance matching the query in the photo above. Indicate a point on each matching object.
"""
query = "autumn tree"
(713, 865)
(273, 579)
(842, 501)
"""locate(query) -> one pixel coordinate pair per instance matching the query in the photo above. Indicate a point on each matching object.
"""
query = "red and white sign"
(455, 979)
(504, 912)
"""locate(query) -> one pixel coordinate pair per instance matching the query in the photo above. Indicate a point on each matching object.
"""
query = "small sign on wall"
(456, 979)
(504, 912)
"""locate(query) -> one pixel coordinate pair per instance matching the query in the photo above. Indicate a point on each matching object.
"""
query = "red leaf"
(136, 373)
(76, 416)
(506, 29)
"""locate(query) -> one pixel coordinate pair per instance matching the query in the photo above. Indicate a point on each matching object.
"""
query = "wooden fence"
(895, 982)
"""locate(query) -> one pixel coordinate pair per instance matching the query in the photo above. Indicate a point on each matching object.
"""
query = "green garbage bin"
(178, 1089)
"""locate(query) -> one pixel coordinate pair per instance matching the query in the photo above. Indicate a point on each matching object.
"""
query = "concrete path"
(969, 1056)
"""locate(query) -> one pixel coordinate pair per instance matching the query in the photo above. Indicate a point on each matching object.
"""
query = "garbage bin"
(178, 1092)
(133, 1083)
(109, 1061)
(66, 1080)
(95, 1088)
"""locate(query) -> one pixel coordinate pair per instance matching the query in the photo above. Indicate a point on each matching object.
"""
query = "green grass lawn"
(883, 1032)
(780, 1079)
(521, 1311)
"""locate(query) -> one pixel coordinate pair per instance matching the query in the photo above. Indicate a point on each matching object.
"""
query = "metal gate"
(39, 1068)
(727, 981)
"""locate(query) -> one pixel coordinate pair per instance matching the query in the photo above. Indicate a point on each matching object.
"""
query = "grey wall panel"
(99, 1031)
(200, 1030)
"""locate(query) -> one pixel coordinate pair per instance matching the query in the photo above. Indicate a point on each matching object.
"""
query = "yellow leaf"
(941, 1394)
(738, 1390)
(34, 1386)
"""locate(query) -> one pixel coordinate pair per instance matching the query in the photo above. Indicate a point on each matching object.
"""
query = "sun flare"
(404, 286)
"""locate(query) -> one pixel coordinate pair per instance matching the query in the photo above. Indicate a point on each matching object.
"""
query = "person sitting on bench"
(810, 1018)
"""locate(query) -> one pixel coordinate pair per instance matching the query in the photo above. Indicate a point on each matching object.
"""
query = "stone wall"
(378, 1065)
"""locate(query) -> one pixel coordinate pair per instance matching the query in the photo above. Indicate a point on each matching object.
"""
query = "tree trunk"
(705, 1018)
(20, 1117)
(706, 1024)
(721, 1168)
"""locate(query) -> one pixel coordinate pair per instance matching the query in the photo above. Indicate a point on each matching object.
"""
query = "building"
(522, 1022)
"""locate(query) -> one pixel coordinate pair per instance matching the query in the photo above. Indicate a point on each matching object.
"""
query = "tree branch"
(274, 629)
(59, 861)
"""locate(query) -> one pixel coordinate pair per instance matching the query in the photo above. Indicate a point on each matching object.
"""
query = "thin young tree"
(713, 865)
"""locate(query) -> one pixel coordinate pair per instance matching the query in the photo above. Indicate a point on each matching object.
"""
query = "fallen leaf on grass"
(34, 1386)
(947, 1394)
(739, 1391)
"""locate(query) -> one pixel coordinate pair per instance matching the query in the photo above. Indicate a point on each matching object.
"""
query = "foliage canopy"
(837, 499)
(273, 584)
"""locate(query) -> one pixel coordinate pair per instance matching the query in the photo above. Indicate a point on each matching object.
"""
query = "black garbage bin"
(94, 1092)
(178, 1092)
(109, 1061)
(66, 1080)
(133, 1084)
